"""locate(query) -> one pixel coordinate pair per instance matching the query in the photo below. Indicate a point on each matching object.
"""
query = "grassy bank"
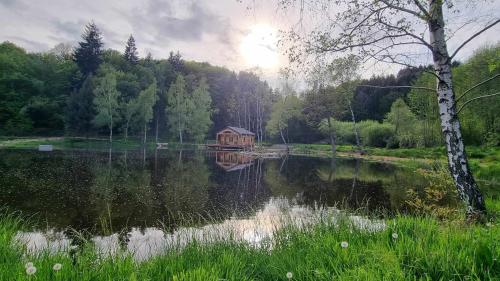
(410, 248)
(81, 143)
(484, 161)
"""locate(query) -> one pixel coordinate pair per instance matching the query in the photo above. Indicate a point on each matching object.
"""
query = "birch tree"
(144, 108)
(178, 107)
(390, 31)
(106, 102)
(200, 120)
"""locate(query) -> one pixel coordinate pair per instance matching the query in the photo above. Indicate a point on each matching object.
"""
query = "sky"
(221, 32)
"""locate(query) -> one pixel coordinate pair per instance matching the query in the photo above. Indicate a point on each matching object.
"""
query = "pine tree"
(131, 51)
(88, 55)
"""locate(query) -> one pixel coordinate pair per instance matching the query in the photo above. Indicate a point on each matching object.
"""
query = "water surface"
(132, 198)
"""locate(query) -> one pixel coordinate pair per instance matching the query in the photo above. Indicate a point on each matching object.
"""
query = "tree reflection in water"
(102, 192)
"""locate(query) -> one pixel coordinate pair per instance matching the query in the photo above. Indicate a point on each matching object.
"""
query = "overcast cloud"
(208, 30)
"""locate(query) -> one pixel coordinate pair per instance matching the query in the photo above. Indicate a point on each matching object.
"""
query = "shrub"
(375, 134)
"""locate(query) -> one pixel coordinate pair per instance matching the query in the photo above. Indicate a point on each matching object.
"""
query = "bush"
(376, 134)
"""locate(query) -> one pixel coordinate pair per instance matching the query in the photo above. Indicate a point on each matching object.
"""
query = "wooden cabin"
(234, 138)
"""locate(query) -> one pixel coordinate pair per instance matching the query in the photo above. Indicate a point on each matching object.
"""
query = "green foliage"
(178, 107)
(405, 123)
(143, 107)
(439, 197)
(45, 94)
(200, 119)
(80, 109)
(106, 99)
(375, 134)
(284, 109)
(479, 119)
(33, 91)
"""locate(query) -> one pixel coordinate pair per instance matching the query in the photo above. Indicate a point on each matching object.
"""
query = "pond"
(129, 197)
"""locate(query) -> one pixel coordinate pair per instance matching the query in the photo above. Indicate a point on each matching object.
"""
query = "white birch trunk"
(450, 124)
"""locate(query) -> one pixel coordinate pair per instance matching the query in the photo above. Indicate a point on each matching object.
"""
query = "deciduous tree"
(388, 31)
(106, 101)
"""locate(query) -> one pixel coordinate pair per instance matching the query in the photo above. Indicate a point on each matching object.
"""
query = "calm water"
(139, 197)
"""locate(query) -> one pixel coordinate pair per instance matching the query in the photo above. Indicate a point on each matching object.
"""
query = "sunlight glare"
(259, 47)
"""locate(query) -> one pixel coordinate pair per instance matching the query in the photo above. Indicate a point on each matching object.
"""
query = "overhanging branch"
(476, 98)
(474, 36)
(398, 87)
(477, 85)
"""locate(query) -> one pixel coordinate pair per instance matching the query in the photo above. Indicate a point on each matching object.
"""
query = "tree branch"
(476, 98)
(477, 85)
(394, 61)
(398, 87)
(474, 36)
(389, 5)
(349, 46)
(406, 32)
(422, 9)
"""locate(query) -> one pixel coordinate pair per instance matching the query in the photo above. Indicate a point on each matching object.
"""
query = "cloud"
(7, 3)
(30, 44)
(165, 22)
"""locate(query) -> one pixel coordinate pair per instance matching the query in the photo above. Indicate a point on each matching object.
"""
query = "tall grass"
(408, 248)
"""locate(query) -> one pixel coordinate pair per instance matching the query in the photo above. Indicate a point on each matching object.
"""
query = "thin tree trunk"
(111, 131)
(356, 133)
(126, 131)
(145, 133)
(281, 134)
(156, 130)
(450, 124)
(179, 128)
(333, 136)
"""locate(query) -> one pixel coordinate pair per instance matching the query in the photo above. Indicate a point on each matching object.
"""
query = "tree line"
(92, 91)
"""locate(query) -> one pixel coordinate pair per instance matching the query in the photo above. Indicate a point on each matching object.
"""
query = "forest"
(93, 91)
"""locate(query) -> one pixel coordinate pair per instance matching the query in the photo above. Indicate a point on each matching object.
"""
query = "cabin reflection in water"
(233, 161)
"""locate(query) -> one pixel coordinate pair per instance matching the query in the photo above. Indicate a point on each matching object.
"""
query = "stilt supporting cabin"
(234, 138)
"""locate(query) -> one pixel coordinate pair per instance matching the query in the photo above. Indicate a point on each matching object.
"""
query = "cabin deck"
(217, 146)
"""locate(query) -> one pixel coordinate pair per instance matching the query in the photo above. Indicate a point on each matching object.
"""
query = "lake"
(134, 197)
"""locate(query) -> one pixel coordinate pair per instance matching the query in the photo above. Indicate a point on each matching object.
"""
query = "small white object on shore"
(45, 147)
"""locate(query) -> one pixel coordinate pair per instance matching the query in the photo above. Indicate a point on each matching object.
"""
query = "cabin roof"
(240, 131)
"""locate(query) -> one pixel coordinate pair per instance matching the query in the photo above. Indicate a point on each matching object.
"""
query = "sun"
(259, 47)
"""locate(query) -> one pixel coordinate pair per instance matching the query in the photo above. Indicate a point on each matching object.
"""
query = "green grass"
(426, 249)
(62, 143)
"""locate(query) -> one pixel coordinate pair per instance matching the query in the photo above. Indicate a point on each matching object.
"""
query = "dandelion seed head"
(344, 244)
(289, 275)
(31, 270)
(28, 264)
(395, 235)
(57, 267)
